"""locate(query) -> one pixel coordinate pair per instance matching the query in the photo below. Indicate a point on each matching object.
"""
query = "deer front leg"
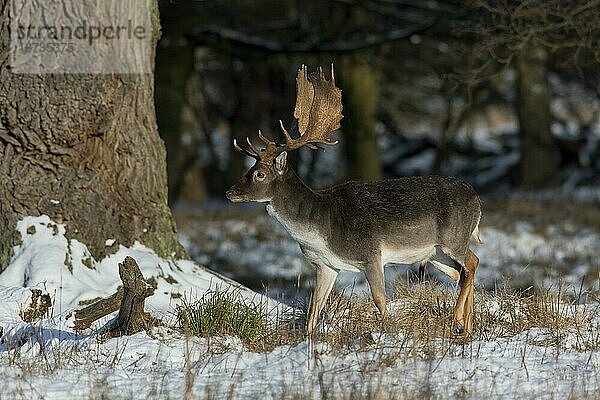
(463, 311)
(376, 279)
(422, 270)
(323, 285)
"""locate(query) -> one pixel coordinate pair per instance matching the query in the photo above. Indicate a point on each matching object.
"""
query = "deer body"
(361, 227)
(401, 219)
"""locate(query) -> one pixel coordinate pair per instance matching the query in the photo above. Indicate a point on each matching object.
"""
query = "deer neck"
(297, 207)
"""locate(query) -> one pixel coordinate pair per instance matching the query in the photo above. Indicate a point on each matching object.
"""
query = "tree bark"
(360, 104)
(84, 150)
(540, 158)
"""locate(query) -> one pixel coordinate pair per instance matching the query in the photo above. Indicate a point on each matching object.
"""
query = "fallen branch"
(128, 299)
(84, 317)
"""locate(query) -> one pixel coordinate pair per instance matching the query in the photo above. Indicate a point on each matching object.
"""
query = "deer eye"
(260, 175)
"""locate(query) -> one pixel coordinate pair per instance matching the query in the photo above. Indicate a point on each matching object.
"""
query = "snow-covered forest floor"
(537, 316)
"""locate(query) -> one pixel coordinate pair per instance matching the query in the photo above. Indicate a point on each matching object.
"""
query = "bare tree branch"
(199, 36)
(384, 10)
(429, 5)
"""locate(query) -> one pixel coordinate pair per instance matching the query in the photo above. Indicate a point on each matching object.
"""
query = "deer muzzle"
(234, 195)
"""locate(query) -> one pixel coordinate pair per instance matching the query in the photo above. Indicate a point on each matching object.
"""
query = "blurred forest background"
(504, 94)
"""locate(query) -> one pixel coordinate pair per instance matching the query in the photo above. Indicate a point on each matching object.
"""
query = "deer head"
(318, 112)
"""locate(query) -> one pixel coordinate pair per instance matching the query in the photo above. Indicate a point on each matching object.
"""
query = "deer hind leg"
(472, 264)
(323, 285)
(463, 311)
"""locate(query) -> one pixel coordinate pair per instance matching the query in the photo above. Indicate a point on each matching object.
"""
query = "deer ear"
(281, 162)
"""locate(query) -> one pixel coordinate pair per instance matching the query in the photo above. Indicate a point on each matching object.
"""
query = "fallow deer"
(361, 227)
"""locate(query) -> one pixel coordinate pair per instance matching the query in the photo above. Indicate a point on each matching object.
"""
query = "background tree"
(540, 158)
(174, 69)
(361, 91)
(535, 37)
(84, 150)
(432, 76)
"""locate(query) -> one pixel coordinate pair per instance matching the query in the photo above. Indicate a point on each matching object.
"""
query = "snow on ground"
(64, 268)
(167, 366)
(56, 362)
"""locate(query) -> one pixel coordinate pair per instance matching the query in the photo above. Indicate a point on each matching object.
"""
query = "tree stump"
(128, 299)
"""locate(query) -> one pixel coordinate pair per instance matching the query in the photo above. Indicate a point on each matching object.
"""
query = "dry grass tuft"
(506, 314)
(555, 316)
(38, 307)
(421, 314)
(424, 313)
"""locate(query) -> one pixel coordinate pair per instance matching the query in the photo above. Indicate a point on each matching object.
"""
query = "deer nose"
(229, 193)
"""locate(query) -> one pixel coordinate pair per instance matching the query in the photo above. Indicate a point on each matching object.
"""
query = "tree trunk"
(174, 66)
(174, 70)
(360, 106)
(83, 149)
(444, 143)
(540, 159)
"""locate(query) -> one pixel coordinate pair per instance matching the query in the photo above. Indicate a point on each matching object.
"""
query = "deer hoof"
(459, 330)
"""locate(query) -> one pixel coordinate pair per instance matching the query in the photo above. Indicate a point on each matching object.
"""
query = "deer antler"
(266, 154)
(318, 111)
